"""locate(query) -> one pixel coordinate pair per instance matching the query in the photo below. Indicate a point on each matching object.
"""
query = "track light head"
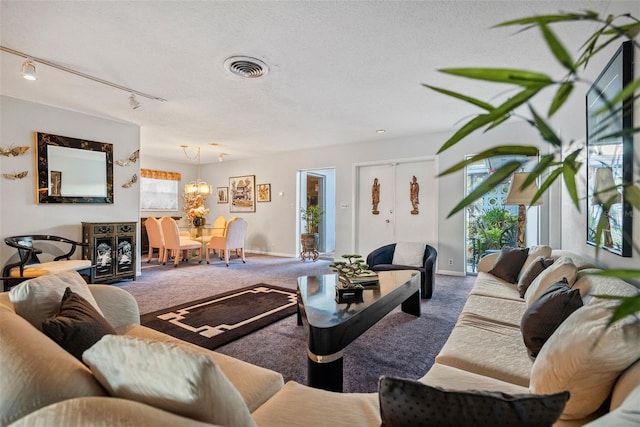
(221, 157)
(133, 102)
(29, 70)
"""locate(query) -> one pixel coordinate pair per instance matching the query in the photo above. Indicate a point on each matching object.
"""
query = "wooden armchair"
(30, 266)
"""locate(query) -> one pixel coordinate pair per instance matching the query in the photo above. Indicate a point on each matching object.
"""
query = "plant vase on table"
(353, 276)
(197, 216)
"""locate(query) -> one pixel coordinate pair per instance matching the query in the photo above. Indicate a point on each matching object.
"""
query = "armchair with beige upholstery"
(156, 238)
(175, 244)
(233, 239)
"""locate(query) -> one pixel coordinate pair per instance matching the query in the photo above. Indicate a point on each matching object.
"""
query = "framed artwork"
(223, 194)
(610, 156)
(242, 193)
(264, 192)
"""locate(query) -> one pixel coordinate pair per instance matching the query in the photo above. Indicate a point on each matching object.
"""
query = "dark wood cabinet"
(112, 249)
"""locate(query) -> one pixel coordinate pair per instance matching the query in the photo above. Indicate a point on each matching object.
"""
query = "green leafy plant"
(353, 266)
(312, 216)
(528, 84)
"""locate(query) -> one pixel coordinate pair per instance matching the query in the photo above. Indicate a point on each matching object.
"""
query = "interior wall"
(19, 212)
(272, 228)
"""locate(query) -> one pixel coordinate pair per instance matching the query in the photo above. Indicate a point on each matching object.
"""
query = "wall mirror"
(72, 170)
(610, 156)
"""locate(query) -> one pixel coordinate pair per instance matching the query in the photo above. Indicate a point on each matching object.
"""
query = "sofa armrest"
(118, 306)
(486, 262)
(382, 255)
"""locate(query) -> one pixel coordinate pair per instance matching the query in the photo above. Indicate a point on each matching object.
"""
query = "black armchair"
(30, 266)
(381, 259)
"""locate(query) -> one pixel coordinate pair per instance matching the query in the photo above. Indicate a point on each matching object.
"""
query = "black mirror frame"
(619, 118)
(43, 140)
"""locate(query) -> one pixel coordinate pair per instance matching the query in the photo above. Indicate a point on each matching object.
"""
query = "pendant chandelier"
(197, 187)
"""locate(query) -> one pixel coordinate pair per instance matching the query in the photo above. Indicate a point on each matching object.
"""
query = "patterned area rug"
(217, 320)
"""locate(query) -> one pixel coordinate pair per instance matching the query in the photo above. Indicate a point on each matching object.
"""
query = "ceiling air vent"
(245, 66)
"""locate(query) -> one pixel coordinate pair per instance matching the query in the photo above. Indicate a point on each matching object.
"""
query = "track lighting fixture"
(133, 102)
(29, 70)
(221, 157)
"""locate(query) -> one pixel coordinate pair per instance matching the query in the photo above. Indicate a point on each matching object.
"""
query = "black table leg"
(412, 305)
(325, 372)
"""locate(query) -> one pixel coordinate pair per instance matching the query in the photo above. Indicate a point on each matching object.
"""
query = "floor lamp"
(521, 197)
(605, 194)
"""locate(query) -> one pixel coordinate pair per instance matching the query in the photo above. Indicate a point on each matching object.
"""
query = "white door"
(395, 221)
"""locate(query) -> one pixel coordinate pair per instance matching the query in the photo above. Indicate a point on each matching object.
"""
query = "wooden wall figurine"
(132, 181)
(375, 196)
(414, 193)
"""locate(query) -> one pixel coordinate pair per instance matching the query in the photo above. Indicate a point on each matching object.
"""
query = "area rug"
(214, 321)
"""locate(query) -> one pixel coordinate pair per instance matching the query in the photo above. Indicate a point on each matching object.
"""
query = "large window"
(159, 190)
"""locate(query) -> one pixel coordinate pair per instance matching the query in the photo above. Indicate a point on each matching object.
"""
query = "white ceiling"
(339, 70)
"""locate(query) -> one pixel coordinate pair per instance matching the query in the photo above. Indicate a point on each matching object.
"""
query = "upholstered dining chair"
(156, 238)
(175, 244)
(233, 239)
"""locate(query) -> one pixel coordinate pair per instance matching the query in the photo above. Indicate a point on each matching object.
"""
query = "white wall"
(272, 228)
(19, 213)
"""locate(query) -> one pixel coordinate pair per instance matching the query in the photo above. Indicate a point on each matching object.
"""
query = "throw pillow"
(38, 299)
(561, 268)
(544, 316)
(168, 376)
(411, 403)
(77, 325)
(531, 272)
(536, 251)
(409, 253)
(509, 263)
(585, 356)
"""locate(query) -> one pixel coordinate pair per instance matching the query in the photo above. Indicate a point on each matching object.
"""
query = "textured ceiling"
(338, 70)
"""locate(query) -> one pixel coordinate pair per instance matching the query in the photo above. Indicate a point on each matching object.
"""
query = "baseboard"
(258, 252)
(451, 273)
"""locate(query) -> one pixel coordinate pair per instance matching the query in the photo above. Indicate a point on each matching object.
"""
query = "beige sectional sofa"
(42, 384)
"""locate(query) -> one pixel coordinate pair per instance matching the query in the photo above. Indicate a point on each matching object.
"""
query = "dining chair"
(174, 243)
(156, 238)
(233, 239)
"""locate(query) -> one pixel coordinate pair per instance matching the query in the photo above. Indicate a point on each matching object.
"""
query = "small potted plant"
(309, 240)
(197, 216)
(353, 274)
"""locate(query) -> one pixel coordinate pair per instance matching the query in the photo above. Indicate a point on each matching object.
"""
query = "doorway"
(318, 188)
(396, 219)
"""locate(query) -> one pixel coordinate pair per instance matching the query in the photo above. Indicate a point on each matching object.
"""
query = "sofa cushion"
(297, 405)
(536, 251)
(440, 375)
(532, 271)
(509, 263)
(497, 310)
(409, 253)
(490, 286)
(406, 402)
(103, 412)
(544, 316)
(167, 376)
(255, 383)
(584, 357)
(77, 325)
(38, 299)
(562, 267)
(35, 371)
(485, 347)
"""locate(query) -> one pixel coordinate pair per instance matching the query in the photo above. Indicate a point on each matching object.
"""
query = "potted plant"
(309, 240)
(353, 273)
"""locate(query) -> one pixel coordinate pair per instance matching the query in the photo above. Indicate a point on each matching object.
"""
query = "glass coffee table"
(333, 326)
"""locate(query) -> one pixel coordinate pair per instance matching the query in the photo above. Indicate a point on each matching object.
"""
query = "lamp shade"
(604, 188)
(521, 196)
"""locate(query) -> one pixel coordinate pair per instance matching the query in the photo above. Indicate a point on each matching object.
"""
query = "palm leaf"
(462, 97)
(548, 19)
(545, 130)
(546, 184)
(560, 97)
(502, 75)
(491, 152)
(487, 185)
(557, 48)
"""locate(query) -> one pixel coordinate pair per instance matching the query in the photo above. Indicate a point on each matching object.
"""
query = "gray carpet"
(400, 344)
